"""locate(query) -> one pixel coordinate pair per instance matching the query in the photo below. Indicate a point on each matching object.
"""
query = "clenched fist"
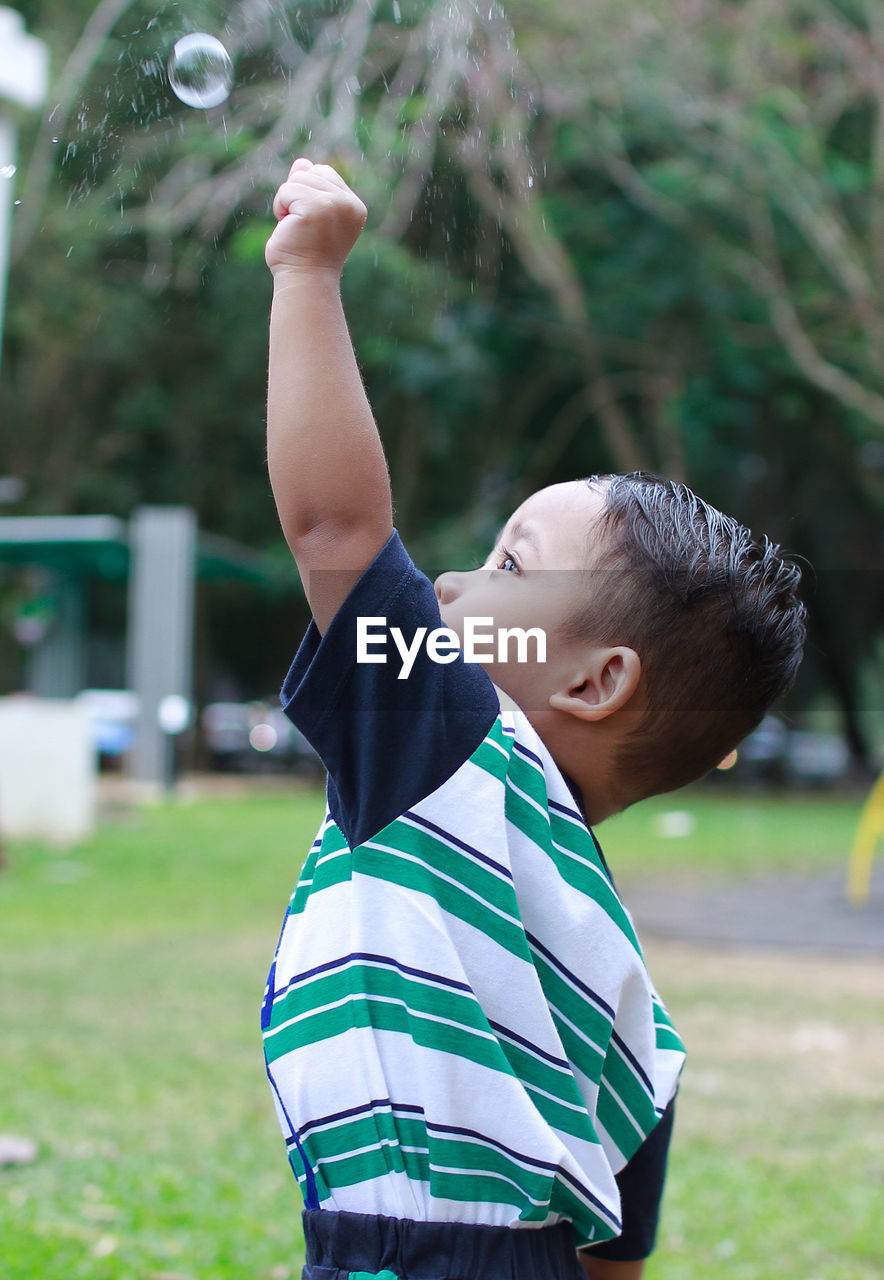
(319, 219)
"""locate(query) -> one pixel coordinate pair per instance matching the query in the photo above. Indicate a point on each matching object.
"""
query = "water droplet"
(200, 71)
(530, 180)
(7, 171)
(55, 139)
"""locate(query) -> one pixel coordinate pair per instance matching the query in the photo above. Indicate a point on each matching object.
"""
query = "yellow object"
(869, 829)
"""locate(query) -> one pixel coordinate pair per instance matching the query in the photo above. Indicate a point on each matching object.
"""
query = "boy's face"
(531, 579)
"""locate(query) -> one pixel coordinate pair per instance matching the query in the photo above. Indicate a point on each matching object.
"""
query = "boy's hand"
(319, 219)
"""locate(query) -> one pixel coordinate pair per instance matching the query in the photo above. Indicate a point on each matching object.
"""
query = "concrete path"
(798, 911)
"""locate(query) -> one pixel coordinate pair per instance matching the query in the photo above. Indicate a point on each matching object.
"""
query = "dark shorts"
(356, 1246)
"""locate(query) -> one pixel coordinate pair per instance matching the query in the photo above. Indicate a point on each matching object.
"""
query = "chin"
(451, 623)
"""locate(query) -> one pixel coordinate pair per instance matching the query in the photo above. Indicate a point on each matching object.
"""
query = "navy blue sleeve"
(641, 1191)
(386, 742)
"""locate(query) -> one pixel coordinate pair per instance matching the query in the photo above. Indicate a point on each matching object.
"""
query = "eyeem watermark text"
(482, 642)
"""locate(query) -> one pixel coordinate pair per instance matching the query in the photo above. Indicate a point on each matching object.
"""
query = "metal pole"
(160, 629)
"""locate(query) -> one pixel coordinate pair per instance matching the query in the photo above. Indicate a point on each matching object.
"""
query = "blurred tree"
(604, 234)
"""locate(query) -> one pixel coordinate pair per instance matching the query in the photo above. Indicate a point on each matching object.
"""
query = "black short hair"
(713, 613)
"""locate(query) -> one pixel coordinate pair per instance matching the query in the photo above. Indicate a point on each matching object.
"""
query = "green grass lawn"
(734, 833)
(131, 971)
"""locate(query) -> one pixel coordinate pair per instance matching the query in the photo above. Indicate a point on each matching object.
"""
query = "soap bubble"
(200, 70)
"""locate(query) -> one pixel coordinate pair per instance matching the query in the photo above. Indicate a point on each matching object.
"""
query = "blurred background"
(602, 236)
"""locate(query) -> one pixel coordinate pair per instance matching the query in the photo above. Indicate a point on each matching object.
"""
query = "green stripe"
(581, 871)
(488, 758)
(505, 930)
(385, 1142)
(468, 1172)
(379, 1127)
(530, 778)
(494, 888)
(619, 1082)
(598, 1064)
(455, 1169)
(416, 1003)
(368, 1165)
(667, 1036)
(322, 868)
(362, 1011)
(584, 872)
(566, 1003)
(359, 977)
(588, 1224)
(304, 886)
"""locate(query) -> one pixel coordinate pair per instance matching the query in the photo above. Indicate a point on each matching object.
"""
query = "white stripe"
(374, 1146)
(578, 1031)
(637, 1127)
(390, 966)
(530, 800)
(503, 876)
(498, 746)
(569, 816)
(410, 857)
(325, 858)
(568, 981)
(561, 1066)
(321, 861)
(569, 1106)
(585, 864)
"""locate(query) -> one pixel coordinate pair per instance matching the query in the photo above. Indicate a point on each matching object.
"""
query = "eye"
(506, 561)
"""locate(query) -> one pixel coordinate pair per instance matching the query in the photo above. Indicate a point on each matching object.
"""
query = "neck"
(587, 757)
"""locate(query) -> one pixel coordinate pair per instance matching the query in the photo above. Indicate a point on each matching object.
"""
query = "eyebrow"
(525, 532)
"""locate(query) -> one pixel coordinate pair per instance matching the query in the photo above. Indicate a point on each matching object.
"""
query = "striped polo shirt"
(459, 1025)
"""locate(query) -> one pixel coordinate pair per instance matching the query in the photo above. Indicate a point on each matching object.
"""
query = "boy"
(470, 1064)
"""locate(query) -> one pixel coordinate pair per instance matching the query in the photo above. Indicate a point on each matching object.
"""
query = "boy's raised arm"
(327, 466)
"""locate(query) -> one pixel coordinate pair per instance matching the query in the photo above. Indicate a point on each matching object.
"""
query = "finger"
(285, 197)
(301, 165)
(331, 175)
(323, 179)
(293, 195)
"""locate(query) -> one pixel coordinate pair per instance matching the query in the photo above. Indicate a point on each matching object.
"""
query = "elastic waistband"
(443, 1250)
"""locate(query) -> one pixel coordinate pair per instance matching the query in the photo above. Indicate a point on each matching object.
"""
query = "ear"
(605, 682)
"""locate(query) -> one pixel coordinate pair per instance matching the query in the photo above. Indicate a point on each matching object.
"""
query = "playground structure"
(870, 829)
(160, 554)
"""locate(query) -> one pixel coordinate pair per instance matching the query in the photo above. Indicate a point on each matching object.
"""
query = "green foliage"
(658, 246)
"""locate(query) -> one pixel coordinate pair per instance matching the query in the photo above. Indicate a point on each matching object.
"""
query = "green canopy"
(98, 546)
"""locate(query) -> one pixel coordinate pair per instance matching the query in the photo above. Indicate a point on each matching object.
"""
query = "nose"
(448, 586)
